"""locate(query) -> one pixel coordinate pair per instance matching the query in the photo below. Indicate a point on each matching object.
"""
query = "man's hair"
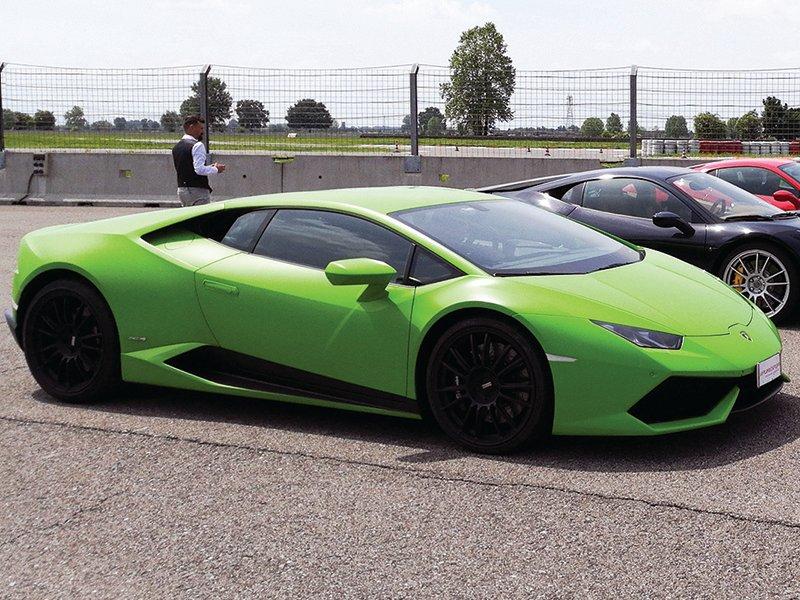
(191, 120)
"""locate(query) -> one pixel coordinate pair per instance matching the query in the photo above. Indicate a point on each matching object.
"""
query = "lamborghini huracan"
(501, 320)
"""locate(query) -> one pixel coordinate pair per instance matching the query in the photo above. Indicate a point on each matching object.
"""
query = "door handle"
(224, 288)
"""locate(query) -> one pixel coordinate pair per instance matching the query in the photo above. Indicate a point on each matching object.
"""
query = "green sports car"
(501, 320)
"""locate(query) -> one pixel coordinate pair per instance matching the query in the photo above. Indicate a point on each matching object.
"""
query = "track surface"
(165, 494)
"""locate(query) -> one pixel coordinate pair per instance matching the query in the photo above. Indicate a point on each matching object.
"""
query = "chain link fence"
(608, 114)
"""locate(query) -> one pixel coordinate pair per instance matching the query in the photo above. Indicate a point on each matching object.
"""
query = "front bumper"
(11, 320)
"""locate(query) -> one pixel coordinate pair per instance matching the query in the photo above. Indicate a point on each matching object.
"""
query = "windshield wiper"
(747, 218)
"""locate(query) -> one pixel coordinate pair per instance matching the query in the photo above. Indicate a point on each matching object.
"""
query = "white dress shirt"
(199, 157)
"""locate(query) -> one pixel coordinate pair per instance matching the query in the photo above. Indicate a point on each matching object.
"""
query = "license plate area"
(768, 370)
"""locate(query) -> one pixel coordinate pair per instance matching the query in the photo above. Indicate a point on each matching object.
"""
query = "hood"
(659, 292)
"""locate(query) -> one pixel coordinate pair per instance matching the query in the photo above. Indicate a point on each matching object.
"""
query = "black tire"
(487, 387)
(71, 342)
(735, 273)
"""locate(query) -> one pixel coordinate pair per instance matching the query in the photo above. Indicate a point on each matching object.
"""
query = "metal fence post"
(412, 85)
(202, 94)
(2, 120)
(633, 124)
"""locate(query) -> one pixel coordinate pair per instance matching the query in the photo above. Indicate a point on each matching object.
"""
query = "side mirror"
(375, 274)
(670, 219)
(786, 196)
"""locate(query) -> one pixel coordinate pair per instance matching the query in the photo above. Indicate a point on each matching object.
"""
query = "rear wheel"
(487, 387)
(71, 342)
(765, 275)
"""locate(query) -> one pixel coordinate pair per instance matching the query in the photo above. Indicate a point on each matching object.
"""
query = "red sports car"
(776, 180)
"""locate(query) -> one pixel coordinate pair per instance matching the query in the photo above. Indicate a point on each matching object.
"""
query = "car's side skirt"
(227, 367)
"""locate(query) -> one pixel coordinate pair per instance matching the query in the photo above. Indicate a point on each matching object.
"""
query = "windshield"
(792, 169)
(507, 237)
(721, 198)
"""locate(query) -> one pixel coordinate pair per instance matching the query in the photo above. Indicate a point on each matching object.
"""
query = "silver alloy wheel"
(761, 277)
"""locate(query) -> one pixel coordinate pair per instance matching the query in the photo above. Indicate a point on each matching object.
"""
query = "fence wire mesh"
(566, 113)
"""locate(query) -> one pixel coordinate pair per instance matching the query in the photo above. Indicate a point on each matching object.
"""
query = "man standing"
(189, 156)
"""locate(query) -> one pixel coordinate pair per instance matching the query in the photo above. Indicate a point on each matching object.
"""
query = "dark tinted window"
(428, 268)
(242, 234)
(315, 238)
(573, 194)
(633, 198)
(755, 180)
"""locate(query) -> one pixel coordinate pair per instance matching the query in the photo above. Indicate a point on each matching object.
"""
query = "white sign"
(768, 369)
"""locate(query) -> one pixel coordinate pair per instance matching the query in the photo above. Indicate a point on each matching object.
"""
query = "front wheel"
(766, 276)
(71, 343)
(487, 388)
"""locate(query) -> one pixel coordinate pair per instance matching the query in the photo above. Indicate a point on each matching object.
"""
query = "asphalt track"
(165, 494)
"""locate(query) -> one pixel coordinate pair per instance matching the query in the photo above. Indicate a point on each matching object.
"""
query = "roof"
(378, 199)
(746, 162)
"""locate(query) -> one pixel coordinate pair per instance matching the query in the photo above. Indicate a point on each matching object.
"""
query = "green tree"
(44, 120)
(171, 121)
(8, 119)
(405, 127)
(252, 114)
(749, 127)
(708, 126)
(219, 102)
(592, 127)
(434, 126)
(730, 127)
(308, 114)
(774, 118)
(482, 79)
(426, 115)
(101, 125)
(676, 127)
(613, 124)
(120, 123)
(74, 118)
(23, 121)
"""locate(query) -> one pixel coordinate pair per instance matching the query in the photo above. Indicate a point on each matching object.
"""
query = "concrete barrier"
(113, 177)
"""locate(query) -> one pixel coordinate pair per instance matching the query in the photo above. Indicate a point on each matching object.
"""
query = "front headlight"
(644, 337)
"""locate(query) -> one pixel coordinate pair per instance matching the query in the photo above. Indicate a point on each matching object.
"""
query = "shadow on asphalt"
(745, 435)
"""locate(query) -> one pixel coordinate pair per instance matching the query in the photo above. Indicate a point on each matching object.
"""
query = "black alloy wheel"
(71, 342)
(487, 388)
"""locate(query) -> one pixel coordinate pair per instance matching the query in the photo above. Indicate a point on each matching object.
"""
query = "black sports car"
(750, 244)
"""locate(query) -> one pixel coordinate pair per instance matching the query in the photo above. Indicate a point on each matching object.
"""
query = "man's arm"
(199, 160)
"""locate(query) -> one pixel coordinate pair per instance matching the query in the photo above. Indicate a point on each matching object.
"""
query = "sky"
(552, 34)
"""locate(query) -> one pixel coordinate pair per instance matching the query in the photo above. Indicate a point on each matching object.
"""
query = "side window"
(573, 194)
(244, 232)
(429, 268)
(755, 180)
(632, 198)
(314, 238)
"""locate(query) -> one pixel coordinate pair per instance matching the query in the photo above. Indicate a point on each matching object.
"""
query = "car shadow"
(760, 430)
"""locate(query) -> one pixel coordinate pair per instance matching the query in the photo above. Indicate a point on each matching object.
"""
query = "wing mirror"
(786, 196)
(375, 274)
(670, 219)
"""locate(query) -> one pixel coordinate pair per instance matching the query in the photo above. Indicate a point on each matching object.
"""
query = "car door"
(277, 305)
(625, 207)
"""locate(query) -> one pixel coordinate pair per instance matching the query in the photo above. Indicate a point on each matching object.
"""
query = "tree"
(219, 102)
(592, 127)
(748, 126)
(405, 127)
(252, 114)
(774, 118)
(708, 126)
(23, 121)
(481, 82)
(44, 120)
(74, 118)
(8, 119)
(101, 125)
(120, 123)
(308, 114)
(171, 121)
(730, 127)
(676, 127)
(426, 115)
(434, 126)
(613, 124)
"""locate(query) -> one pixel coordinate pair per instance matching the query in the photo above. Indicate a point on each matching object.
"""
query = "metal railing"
(609, 114)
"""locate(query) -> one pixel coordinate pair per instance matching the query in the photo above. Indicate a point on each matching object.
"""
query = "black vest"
(184, 166)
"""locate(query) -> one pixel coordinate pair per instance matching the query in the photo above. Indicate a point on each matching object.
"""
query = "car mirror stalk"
(668, 219)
